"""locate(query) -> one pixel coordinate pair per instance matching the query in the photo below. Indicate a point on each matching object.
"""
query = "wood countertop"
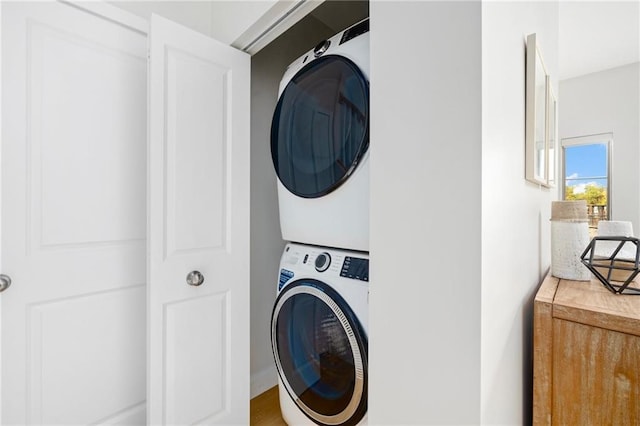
(590, 303)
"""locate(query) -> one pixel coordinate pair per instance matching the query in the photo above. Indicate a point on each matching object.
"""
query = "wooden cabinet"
(586, 355)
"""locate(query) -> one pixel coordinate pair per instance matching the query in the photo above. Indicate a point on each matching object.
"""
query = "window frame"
(598, 138)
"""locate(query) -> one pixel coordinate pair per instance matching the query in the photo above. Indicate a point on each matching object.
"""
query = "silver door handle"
(5, 282)
(195, 278)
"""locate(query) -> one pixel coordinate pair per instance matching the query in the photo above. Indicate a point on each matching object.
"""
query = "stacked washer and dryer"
(319, 145)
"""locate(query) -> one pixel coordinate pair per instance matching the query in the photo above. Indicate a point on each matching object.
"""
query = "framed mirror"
(536, 115)
(552, 132)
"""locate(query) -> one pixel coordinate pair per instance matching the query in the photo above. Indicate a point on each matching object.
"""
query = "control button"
(321, 48)
(323, 261)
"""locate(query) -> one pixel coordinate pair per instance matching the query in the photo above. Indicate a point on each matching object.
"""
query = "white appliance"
(320, 141)
(319, 335)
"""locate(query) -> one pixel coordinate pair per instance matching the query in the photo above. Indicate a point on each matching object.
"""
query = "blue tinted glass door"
(320, 353)
(320, 128)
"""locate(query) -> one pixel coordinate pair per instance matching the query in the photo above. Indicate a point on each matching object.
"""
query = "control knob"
(321, 48)
(323, 260)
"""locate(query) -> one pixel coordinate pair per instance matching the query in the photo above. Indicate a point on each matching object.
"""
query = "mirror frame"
(536, 132)
(551, 168)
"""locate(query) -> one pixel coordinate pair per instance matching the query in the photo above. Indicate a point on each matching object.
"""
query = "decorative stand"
(609, 267)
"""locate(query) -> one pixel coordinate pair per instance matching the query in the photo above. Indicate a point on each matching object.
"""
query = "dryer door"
(320, 351)
(320, 128)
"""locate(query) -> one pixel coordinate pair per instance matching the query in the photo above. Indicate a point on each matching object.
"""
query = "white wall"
(459, 239)
(515, 213)
(425, 213)
(602, 102)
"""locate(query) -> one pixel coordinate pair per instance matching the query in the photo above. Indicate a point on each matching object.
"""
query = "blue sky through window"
(584, 164)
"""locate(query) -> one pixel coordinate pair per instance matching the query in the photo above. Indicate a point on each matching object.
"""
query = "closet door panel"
(198, 295)
(73, 216)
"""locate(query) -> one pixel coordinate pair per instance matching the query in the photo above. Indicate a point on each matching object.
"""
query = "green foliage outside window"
(594, 194)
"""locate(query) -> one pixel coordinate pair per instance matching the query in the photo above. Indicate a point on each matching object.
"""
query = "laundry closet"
(268, 67)
(317, 204)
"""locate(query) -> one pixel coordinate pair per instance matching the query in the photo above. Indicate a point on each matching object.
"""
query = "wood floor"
(265, 409)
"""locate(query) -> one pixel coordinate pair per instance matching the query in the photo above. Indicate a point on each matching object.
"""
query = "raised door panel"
(596, 379)
(196, 146)
(67, 337)
(198, 380)
(85, 148)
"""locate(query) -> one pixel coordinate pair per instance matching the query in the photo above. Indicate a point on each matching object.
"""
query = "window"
(587, 174)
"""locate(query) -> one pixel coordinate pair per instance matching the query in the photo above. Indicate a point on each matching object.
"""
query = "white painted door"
(198, 221)
(73, 217)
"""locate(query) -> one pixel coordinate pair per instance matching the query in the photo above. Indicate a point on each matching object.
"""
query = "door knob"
(195, 278)
(5, 282)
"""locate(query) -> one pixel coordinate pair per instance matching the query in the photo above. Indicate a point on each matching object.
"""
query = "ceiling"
(597, 35)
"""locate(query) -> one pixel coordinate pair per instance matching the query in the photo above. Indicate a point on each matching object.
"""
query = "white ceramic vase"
(569, 239)
(615, 228)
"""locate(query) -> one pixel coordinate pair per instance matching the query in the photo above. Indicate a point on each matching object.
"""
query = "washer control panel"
(354, 31)
(355, 268)
(324, 263)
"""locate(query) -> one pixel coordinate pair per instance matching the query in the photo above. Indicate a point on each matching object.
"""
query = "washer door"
(320, 352)
(320, 128)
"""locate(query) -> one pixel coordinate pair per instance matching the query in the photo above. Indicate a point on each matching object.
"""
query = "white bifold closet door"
(199, 221)
(100, 226)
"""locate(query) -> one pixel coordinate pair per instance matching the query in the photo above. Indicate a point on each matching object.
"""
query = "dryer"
(319, 335)
(320, 141)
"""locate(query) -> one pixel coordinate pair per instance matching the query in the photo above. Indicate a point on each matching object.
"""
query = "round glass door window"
(321, 353)
(320, 128)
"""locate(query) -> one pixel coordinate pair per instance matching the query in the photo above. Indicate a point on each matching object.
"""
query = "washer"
(319, 335)
(320, 141)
